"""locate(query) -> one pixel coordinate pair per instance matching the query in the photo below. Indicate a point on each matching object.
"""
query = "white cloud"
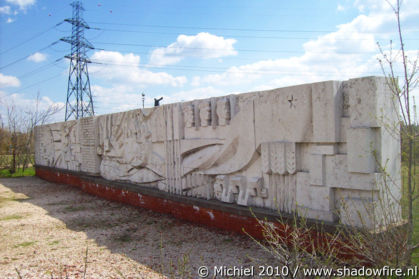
(193, 94)
(203, 45)
(115, 99)
(10, 20)
(351, 51)
(125, 68)
(24, 104)
(8, 81)
(371, 5)
(23, 4)
(124, 97)
(37, 57)
(348, 52)
(5, 10)
(380, 6)
(340, 8)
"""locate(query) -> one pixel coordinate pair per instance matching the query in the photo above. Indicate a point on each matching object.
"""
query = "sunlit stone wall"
(328, 151)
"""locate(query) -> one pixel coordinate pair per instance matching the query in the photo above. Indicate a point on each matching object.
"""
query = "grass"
(73, 208)
(10, 197)
(19, 173)
(25, 244)
(55, 242)
(415, 256)
(11, 217)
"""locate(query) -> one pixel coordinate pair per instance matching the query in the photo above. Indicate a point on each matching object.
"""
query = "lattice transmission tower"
(79, 96)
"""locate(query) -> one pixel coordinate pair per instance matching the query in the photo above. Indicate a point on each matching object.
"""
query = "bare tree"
(13, 124)
(20, 125)
(35, 117)
(402, 85)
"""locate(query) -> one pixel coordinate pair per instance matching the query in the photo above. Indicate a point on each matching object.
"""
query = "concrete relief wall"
(316, 149)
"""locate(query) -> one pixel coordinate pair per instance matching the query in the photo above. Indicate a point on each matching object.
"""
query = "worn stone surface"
(304, 148)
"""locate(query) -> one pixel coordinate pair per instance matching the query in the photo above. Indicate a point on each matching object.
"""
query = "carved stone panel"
(283, 149)
(279, 157)
(205, 113)
(223, 112)
(188, 114)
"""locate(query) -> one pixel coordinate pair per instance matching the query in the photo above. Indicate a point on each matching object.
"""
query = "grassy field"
(19, 173)
(416, 228)
(6, 162)
(415, 213)
(416, 231)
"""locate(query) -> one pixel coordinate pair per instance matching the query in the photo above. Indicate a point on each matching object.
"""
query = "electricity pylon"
(79, 96)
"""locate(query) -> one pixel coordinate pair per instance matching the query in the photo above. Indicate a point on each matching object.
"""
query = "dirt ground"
(52, 230)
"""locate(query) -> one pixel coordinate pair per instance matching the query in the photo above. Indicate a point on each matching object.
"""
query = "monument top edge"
(244, 94)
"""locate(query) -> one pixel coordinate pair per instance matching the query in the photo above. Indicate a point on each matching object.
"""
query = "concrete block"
(314, 201)
(363, 149)
(289, 120)
(317, 171)
(371, 103)
(324, 149)
(327, 111)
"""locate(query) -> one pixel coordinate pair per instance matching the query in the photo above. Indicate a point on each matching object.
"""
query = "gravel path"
(47, 229)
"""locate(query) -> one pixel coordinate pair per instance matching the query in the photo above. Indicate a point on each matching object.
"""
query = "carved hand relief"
(223, 112)
(205, 113)
(189, 116)
(239, 189)
(198, 185)
(221, 183)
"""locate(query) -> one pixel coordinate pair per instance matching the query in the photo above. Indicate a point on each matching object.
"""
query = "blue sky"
(184, 50)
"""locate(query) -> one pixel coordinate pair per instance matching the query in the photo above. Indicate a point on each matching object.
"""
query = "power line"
(215, 28)
(243, 50)
(233, 35)
(217, 69)
(232, 28)
(40, 69)
(27, 56)
(31, 38)
(34, 84)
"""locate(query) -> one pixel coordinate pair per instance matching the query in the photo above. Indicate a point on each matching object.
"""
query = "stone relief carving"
(278, 158)
(126, 149)
(189, 115)
(223, 112)
(299, 147)
(205, 113)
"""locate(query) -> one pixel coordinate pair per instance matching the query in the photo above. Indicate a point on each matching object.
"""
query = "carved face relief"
(205, 113)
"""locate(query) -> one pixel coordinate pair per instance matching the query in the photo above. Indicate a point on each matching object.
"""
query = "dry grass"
(46, 231)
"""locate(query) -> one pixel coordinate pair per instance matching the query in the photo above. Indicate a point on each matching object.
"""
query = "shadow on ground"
(123, 240)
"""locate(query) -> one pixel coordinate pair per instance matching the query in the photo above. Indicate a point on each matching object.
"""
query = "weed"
(55, 242)
(11, 217)
(25, 244)
(73, 208)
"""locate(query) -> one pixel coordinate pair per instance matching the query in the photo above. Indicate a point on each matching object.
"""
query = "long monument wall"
(325, 150)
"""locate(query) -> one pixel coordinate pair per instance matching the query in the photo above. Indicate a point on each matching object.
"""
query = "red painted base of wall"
(204, 216)
(200, 215)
